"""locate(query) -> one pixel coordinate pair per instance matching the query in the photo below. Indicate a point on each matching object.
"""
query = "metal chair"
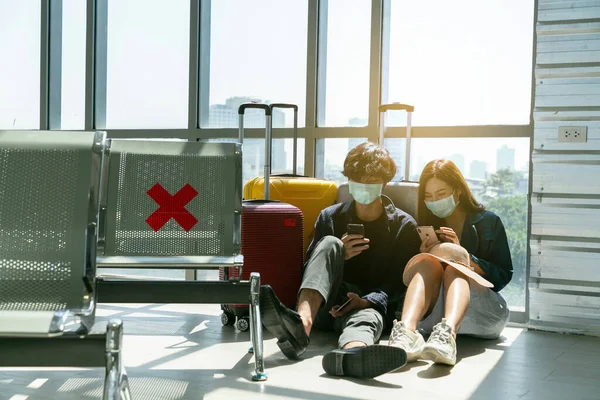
(49, 196)
(175, 205)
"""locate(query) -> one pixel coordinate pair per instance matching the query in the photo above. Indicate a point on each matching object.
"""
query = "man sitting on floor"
(364, 269)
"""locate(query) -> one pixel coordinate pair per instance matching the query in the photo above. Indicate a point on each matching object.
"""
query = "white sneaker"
(441, 346)
(411, 342)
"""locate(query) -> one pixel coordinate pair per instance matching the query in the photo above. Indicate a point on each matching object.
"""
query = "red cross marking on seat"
(171, 207)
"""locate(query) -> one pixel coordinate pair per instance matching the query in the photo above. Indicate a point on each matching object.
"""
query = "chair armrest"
(25, 323)
(177, 262)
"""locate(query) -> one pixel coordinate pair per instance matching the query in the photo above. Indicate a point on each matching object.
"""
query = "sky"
(452, 60)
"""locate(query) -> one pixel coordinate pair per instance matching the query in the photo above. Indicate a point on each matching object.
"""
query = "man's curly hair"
(369, 160)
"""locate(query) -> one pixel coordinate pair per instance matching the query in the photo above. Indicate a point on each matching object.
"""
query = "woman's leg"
(441, 345)
(456, 287)
(423, 289)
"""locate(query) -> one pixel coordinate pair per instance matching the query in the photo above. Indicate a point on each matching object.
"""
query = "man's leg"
(321, 281)
(359, 356)
(322, 278)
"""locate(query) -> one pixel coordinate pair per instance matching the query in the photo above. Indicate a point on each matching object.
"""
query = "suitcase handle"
(399, 107)
(268, 137)
(242, 108)
(295, 151)
(396, 106)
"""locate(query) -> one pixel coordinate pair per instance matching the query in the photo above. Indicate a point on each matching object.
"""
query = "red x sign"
(171, 207)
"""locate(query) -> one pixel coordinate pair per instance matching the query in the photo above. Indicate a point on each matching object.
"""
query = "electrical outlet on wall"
(572, 134)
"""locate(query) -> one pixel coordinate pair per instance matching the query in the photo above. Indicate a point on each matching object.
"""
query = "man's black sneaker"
(364, 362)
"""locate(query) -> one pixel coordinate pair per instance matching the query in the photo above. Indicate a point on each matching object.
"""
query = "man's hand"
(428, 244)
(448, 235)
(356, 303)
(354, 245)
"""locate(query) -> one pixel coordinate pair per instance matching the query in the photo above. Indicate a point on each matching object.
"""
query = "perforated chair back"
(48, 208)
(405, 195)
(168, 199)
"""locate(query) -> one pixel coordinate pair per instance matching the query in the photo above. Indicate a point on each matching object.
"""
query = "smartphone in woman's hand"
(427, 232)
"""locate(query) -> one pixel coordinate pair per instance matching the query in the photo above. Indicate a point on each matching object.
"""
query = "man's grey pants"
(324, 273)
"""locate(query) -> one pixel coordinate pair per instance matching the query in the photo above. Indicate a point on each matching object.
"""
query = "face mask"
(442, 208)
(365, 193)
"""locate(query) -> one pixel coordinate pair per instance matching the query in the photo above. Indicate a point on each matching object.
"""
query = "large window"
(464, 62)
(73, 64)
(20, 24)
(345, 66)
(257, 52)
(281, 159)
(330, 156)
(148, 64)
(465, 65)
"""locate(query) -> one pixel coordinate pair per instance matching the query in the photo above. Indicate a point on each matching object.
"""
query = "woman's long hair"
(448, 172)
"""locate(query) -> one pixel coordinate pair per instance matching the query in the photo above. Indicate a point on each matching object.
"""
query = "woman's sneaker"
(411, 342)
(441, 346)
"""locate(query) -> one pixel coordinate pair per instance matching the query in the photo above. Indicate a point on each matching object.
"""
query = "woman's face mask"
(442, 208)
(365, 193)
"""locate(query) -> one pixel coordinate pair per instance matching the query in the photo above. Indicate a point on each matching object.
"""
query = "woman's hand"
(448, 235)
(354, 245)
(356, 303)
(428, 244)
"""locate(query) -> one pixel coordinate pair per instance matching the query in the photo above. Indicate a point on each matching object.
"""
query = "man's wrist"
(364, 303)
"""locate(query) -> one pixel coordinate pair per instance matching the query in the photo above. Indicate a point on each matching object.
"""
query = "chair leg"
(256, 328)
(116, 384)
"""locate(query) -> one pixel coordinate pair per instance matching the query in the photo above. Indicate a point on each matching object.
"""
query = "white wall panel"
(564, 286)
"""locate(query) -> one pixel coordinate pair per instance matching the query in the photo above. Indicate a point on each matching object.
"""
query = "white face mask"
(365, 193)
(442, 208)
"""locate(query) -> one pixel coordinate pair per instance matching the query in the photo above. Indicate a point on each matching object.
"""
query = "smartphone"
(344, 305)
(425, 232)
(356, 229)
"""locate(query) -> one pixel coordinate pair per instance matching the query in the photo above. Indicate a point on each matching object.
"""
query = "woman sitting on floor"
(453, 285)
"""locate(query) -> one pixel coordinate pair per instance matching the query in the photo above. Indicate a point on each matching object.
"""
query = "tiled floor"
(177, 352)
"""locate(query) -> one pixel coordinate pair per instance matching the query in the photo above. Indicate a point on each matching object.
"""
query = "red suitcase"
(272, 241)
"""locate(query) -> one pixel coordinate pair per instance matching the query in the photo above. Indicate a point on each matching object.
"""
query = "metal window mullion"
(50, 64)
(312, 88)
(44, 63)
(101, 65)
(384, 69)
(89, 64)
(476, 131)
(95, 66)
(375, 69)
(204, 63)
(193, 66)
(321, 29)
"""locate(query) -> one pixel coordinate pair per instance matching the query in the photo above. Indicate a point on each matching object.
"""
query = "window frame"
(199, 78)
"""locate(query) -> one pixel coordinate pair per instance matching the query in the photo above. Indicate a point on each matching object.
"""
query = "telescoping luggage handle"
(295, 153)
(397, 107)
(268, 138)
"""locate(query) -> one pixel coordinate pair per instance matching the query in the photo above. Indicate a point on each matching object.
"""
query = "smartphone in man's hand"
(356, 229)
(344, 305)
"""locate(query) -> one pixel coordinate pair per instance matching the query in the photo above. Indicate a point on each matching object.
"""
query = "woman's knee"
(429, 268)
(451, 274)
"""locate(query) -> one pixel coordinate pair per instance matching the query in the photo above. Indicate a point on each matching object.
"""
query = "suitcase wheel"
(243, 324)
(227, 318)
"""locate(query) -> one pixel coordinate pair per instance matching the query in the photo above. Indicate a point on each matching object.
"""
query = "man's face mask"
(442, 208)
(365, 193)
